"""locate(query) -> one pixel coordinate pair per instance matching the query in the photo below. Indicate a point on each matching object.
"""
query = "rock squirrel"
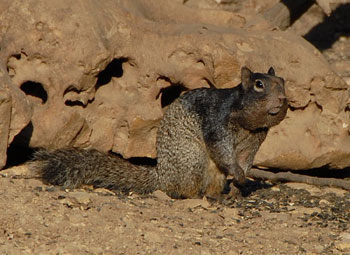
(206, 134)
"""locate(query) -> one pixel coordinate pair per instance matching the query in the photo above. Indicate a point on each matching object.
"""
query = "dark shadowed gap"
(113, 69)
(322, 172)
(34, 89)
(324, 34)
(74, 103)
(169, 94)
(144, 161)
(19, 150)
(71, 102)
(297, 8)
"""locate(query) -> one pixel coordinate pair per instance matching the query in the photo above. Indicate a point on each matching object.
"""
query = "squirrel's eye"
(259, 85)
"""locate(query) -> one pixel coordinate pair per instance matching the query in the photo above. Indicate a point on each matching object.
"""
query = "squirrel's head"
(264, 99)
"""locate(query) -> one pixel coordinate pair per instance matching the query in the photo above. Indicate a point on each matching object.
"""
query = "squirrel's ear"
(271, 71)
(245, 76)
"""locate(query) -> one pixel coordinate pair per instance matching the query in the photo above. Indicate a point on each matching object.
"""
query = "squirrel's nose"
(281, 93)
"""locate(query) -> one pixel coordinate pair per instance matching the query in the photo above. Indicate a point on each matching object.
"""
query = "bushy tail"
(72, 168)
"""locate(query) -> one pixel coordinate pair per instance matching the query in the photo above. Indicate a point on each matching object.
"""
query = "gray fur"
(205, 135)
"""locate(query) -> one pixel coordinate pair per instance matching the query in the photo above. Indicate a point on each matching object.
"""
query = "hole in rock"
(169, 94)
(74, 103)
(113, 69)
(69, 102)
(34, 89)
(16, 56)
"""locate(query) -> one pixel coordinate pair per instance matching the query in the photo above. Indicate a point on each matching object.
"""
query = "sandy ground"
(269, 219)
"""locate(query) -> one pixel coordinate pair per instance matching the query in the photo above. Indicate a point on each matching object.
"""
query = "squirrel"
(205, 135)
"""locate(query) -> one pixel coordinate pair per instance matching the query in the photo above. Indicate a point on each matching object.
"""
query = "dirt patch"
(269, 219)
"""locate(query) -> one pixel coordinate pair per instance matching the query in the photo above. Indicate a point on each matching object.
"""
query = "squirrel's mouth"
(274, 110)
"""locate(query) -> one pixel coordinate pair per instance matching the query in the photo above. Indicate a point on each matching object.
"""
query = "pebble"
(22, 170)
(313, 190)
(83, 198)
(324, 202)
(193, 203)
(344, 243)
(103, 191)
(230, 213)
(161, 195)
(338, 192)
(152, 237)
(274, 188)
(305, 210)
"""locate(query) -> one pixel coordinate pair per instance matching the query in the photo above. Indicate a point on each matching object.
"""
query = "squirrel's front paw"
(238, 175)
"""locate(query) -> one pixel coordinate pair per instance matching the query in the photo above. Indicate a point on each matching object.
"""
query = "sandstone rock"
(100, 74)
(5, 113)
(15, 113)
(19, 171)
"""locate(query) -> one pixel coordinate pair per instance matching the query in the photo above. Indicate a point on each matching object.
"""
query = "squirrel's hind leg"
(216, 181)
(184, 172)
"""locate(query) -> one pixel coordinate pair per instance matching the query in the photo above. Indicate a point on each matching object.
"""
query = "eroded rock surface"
(15, 113)
(100, 74)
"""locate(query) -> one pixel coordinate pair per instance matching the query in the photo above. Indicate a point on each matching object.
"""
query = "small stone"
(103, 191)
(22, 170)
(324, 202)
(337, 192)
(161, 195)
(344, 243)
(345, 236)
(342, 38)
(274, 188)
(83, 198)
(66, 202)
(342, 246)
(314, 191)
(230, 213)
(305, 210)
(152, 237)
(51, 189)
(193, 203)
